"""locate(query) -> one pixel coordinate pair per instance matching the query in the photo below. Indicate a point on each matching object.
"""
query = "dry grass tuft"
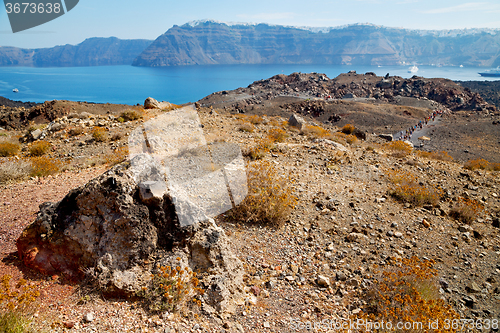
(117, 156)
(406, 188)
(481, 164)
(17, 305)
(407, 291)
(170, 289)
(277, 135)
(9, 149)
(43, 166)
(435, 155)
(315, 132)
(39, 148)
(466, 210)
(131, 115)
(75, 131)
(399, 148)
(270, 198)
(99, 134)
(348, 129)
(246, 127)
(14, 170)
(260, 149)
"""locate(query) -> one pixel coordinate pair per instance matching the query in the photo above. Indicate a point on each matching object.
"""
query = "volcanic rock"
(108, 231)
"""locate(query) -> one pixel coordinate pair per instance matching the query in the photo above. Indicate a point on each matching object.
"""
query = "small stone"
(341, 276)
(267, 325)
(398, 234)
(426, 223)
(227, 325)
(89, 317)
(69, 324)
(323, 281)
(294, 268)
(473, 288)
(196, 326)
(255, 290)
(271, 284)
(251, 300)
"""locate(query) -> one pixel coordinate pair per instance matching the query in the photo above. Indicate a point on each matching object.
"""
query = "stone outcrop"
(151, 103)
(108, 231)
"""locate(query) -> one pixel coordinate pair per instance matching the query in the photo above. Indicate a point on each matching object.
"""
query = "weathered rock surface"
(151, 103)
(108, 231)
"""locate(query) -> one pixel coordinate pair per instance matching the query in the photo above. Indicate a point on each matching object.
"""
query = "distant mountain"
(91, 52)
(209, 42)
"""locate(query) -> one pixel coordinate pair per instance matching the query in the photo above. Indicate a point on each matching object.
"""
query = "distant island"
(215, 43)
(91, 52)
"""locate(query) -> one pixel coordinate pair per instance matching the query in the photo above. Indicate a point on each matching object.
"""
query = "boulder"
(118, 232)
(151, 103)
(387, 137)
(296, 121)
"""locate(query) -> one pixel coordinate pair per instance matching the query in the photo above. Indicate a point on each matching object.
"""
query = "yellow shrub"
(351, 139)
(466, 210)
(406, 188)
(130, 115)
(348, 129)
(17, 305)
(277, 134)
(43, 166)
(481, 164)
(315, 131)
(9, 149)
(399, 148)
(39, 148)
(407, 291)
(439, 155)
(246, 127)
(117, 156)
(99, 134)
(260, 149)
(254, 119)
(170, 288)
(270, 198)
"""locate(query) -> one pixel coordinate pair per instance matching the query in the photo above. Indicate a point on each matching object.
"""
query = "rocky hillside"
(209, 42)
(347, 225)
(91, 52)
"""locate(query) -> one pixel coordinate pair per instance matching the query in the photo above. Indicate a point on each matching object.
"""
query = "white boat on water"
(15, 90)
(413, 69)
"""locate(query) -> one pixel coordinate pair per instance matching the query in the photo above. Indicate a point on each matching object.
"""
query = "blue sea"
(183, 84)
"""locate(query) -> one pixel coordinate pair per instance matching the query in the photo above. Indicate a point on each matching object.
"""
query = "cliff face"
(91, 52)
(210, 42)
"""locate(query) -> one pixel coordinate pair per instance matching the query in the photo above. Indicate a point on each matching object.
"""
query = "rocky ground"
(321, 262)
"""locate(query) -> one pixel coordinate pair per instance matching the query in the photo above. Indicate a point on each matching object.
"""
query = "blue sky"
(150, 18)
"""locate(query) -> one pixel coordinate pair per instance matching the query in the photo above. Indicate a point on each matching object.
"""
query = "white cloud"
(465, 7)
